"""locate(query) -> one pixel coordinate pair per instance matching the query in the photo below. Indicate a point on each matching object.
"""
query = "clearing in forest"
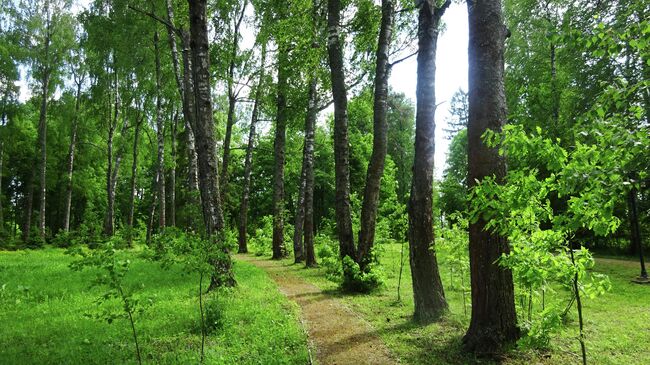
(336, 334)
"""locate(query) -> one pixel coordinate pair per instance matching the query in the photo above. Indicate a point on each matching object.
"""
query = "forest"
(244, 182)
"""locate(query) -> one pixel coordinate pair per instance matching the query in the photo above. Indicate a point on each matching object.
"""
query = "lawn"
(617, 324)
(44, 305)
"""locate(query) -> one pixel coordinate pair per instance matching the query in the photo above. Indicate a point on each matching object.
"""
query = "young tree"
(494, 322)
(428, 293)
(248, 162)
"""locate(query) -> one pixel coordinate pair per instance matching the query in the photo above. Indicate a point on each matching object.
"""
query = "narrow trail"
(337, 335)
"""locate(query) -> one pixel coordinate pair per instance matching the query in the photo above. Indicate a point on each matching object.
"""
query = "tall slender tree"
(428, 293)
(380, 136)
(494, 322)
(248, 161)
(279, 146)
(341, 139)
(160, 133)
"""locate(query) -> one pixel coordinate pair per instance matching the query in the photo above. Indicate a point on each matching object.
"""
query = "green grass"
(42, 306)
(617, 324)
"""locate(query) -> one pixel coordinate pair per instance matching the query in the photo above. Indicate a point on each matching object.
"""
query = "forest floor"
(337, 335)
(45, 309)
(617, 324)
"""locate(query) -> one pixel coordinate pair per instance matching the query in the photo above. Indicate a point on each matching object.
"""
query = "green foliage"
(361, 281)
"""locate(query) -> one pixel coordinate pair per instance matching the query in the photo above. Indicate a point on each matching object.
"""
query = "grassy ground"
(43, 304)
(617, 324)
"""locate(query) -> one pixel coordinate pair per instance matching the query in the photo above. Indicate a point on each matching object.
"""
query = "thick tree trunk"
(248, 162)
(341, 142)
(279, 249)
(428, 293)
(232, 103)
(160, 133)
(71, 154)
(42, 141)
(308, 166)
(204, 129)
(380, 137)
(494, 323)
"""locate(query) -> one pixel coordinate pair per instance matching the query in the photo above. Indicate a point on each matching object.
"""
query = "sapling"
(112, 270)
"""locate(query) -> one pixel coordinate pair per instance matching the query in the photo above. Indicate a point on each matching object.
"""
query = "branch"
(402, 59)
(159, 19)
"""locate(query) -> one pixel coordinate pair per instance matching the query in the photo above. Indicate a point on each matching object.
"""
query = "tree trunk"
(248, 162)
(380, 138)
(494, 323)
(184, 83)
(428, 293)
(308, 156)
(279, 250)
(172, 175)
(232, 103)
(134, 176)
(341, 142)
(204, 129)
(108, 223)
(71, 153)
(152, 212)
(42, 141)
(160, 132)
(190, 118)
(29, 206)
(298, 247)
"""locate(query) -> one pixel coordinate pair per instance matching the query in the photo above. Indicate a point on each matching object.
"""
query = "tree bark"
(42, 141)
(380, 138)
(71, 155)
(428, 293)
(110, 193)
(28, 209)
(232, 103)
(172, 175)
(494, 323)
(184, 83)
(248, 162)
(279, 249)
(190, 118)
(341, 142)
(204, 129)
(298, 247)
(308, 165)
(134, 176)
(160, 133)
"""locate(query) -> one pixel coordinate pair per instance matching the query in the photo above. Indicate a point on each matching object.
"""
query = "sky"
(451, 73)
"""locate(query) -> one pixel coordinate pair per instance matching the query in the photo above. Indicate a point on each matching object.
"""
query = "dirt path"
(336, 334)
